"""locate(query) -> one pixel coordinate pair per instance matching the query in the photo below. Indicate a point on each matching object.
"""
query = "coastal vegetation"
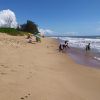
(24, 29)
(30, 27)
(12, 31)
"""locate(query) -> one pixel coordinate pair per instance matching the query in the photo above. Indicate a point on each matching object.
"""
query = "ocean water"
(82, 42)
(78, 45)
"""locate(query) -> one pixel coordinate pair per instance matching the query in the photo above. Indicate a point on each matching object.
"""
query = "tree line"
(24, 29)
(29, 26)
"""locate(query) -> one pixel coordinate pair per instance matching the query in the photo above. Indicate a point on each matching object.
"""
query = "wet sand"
(39, 71)
(82, 57)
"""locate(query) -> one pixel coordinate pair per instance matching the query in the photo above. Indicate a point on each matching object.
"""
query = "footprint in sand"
(22, 98)
(12, 70)
(21, 65)
(29, 77)
(2, 65)
(30, 72)
(2, 73)
(25, 97)
(29, 94)
(6, 67)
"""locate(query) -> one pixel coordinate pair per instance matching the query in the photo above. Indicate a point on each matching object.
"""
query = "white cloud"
(52, 33)
(46, 31)
(8, 19)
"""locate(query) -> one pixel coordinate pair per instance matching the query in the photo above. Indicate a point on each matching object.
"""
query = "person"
(38, 39)
(88, 47)
(28, 36)
(60, 47)
(30, 40)
(65, 45)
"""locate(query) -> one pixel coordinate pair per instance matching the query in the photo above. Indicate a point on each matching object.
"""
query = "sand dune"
(39, 72)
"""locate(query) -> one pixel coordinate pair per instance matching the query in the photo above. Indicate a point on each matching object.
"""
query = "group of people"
(64, 46)
(29, 37)
(30, 40)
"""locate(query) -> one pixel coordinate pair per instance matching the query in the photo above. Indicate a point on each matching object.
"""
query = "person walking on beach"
(88, 47)
(60, 47)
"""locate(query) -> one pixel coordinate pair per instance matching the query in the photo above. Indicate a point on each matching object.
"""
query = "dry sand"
(39, 72)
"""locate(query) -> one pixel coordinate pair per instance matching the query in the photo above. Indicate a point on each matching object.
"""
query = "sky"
(70, 17)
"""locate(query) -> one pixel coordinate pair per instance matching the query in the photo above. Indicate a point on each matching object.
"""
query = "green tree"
(30, 27)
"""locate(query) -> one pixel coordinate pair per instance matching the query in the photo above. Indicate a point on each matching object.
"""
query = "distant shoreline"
(57, 36)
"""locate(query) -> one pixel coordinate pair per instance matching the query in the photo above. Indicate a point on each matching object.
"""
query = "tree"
(30, 27)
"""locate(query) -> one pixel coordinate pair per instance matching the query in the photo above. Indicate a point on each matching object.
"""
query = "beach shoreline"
(39, 71)
(80, 56)
(84, 58)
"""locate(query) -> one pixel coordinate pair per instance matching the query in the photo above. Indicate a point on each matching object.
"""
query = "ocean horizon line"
(78, 36)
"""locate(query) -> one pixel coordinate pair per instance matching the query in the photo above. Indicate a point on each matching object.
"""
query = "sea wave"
(82, 42)
(97, 58)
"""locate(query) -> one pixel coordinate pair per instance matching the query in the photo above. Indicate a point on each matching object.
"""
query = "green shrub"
(30, 27)
(12, 31)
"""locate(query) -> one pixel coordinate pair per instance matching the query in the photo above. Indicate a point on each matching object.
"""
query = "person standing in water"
(65, 45)
(88, 47)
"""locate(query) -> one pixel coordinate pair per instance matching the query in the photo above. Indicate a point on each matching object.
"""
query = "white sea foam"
(82, 42)
(97, 58)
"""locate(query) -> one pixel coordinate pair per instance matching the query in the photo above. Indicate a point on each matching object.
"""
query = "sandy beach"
(39, 72)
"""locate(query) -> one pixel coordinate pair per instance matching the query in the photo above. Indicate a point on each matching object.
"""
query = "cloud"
(46, 31)
(52, 33)
(8, 19)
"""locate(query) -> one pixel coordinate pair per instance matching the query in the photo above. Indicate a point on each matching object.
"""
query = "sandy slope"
(39, 72)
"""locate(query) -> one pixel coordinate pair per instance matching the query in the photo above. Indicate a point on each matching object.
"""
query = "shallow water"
(80, 56)
(83, 57)
(82, 42)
